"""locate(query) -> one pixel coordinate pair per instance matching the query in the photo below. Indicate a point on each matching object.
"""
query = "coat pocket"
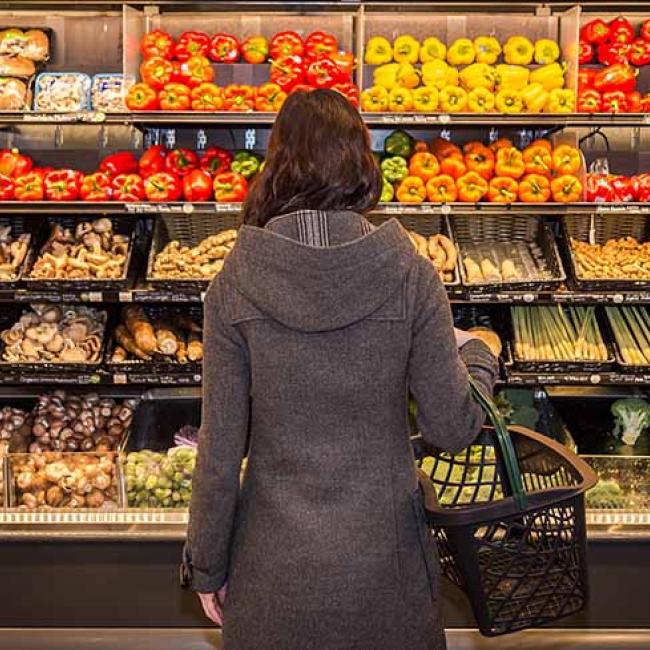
(427, 543)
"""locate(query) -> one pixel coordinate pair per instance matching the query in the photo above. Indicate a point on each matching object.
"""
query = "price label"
(188, 208)
(618, 298)
(227, 207)
(125, 296)
(92, 296)
(595, 379)
(141, 208)
(529, 297)
(445, 208)
(443, 118)
(50, 117)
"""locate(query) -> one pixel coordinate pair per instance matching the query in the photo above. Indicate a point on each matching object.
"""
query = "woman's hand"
(213, 605)
(463, 337)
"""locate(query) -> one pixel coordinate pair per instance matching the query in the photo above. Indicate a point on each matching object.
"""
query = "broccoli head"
(632, 417)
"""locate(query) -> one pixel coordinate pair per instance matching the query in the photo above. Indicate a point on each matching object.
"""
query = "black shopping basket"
(508, 516)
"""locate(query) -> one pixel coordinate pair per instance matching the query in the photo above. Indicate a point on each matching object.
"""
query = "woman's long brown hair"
(319, 158)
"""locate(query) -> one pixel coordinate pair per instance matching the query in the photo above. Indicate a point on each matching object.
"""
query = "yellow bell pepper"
(453, 99)
(561, 101)
(386, 75)
(400, 100)
(378, 51)
(461, 52)
(518, 50)
(439, 74)
(534, 98)
(408, 76)
(546, 51)
(425, 99)
(487, 49)
(550, 76)
(509, 101)
(431, 49)
(512, 77)
(406, 49)
(480, 100)
(478, 75)
(374, 100)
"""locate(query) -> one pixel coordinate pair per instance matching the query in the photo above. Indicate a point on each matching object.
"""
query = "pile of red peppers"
(178, 75)
(615, 45)
(616, 188)
(159, 175)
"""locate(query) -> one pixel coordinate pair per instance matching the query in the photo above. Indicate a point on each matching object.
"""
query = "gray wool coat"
(315, 332)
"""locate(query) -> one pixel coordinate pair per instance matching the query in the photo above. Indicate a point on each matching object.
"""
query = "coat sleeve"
(448, 416)
(222, 443)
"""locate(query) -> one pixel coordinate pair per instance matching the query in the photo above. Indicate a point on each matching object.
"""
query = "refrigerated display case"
(129, 546)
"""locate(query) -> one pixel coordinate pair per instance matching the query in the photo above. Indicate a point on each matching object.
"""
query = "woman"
(316, 330)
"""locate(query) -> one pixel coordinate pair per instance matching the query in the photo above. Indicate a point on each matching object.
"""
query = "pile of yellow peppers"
(469, 76)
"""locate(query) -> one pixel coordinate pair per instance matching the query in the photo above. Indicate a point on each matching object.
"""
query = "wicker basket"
(121, 225)
(480, 235)
(508, 517)
(643, 369)
(603, 228)
(189, 230)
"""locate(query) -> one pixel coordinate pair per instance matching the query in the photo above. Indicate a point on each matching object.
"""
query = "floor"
(204, 639)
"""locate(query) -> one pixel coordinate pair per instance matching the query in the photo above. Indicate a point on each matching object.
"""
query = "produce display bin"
(20, 225)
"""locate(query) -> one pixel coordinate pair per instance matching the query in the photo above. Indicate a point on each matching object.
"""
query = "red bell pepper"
(197, 186)
(216, 160)
(7, 188)
(175, 97)
(620, 30)
(120, 162)
(62, 185)
(598, 188)
(224, 48)
(344, 60)
(586, 78)
(96, 187)
(644, 32)
(639, 52)
(615, 101)
(323, 74)
(633, 102)
(645, 103)
(141, 97)
(152, 160)
(586, 53)
(642, 182)
(30, 187)
(269, 98)
(191, 44)
(207, 97)
(285, 44)
(611, 53)
(161, 187)
(320, 45)
(615, 77)
(255, 49)
(157, 43)
(196, 70)
(349, 90)
(181, 162)
(42, 171)
(156, 72)
(230, 187)
(287, 72)
(589, 101)
(595, 31)
(13, 163)
(128, 188)
(623, 188)
(239, 98)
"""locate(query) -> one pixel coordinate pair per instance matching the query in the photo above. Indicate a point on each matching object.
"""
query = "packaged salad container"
(62, 92)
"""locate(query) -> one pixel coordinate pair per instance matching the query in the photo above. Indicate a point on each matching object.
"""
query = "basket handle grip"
(511, 464)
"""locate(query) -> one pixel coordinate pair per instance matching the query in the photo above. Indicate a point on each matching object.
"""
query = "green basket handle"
(504, 441)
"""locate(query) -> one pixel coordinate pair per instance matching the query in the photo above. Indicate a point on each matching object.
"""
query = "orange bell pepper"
(540, 142)
(566, 189)
(534, 188)
(424, 165)
(503, 189)
(500, 143)
(480, 159)
(472, 187)
(510, 162)
(441, 189)
(442, 148)
(538, 159)
(566, 160)
(420, 145)
(453, 166)
(411, 190)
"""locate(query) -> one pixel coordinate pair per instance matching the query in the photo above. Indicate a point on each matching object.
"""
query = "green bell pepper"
(394, 169)
(245, 163)
(399, 143)
(387, 192)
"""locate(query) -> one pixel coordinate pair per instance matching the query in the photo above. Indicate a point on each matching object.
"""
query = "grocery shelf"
(576, 379)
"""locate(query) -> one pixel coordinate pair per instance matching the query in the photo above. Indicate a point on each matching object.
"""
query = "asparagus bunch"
(631, 327)
(557, 334)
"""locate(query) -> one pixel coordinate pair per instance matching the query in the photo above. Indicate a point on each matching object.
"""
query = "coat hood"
(345, 272)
